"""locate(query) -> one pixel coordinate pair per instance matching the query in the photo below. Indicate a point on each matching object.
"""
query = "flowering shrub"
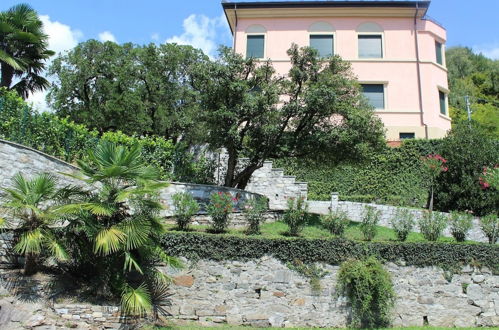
(460, 224)
(221, 205)
(335, 222)
(490, 178)
(369, 221)
(434, 164)
(490, 227)
(185, 208)
(432, 224)
(253, 211)
(296, 215)
(402, 223)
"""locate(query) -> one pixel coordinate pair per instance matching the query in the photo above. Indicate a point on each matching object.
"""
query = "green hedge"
(331, 251)
(66, 140)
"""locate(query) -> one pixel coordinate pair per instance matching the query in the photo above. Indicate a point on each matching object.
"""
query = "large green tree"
(136, 89)
(250, 111)
(23, 50)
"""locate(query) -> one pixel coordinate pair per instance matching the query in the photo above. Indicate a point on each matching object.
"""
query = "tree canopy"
(23, 50)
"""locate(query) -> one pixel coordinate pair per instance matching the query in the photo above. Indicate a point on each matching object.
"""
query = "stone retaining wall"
(355, 212)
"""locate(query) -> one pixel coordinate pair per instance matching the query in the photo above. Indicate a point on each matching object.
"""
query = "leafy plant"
(254, 210)
(335, 222)
(434, 164)
(32, 205)
(490, 227)
(116, 229)
(219, 208)
(370, 221)
(368, 287)
(311, 271)
(432, 225)
(296, 215)
(185, 208)
(460, 224)
(402, 223)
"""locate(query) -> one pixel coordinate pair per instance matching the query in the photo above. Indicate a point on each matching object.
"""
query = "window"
(370, 46)
(443, 104)
(438, 48)
(403, 136)
(323, 43)
(375, 93)
(255, 46)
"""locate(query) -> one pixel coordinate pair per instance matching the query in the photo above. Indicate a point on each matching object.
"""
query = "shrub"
(368, 287)
(403, 223)
(369, 222)
(185, 208)
(432, 224)
(254, 210)
(296, 215)
(460, 224)
(221, 205)
(490, 227)
(335, 222)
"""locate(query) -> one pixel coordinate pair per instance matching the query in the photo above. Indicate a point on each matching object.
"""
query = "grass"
(314, 230)
(225, 326)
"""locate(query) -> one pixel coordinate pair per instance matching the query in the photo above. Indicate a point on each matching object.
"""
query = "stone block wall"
(265, 292)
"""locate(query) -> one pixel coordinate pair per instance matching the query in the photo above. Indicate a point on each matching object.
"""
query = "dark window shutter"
(370, 46)
(323, 43)
(255, 46)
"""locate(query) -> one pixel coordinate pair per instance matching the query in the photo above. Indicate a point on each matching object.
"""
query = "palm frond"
(98, 209)
(30, 242)
(11, 61)
(131, 263)
(56, 248)
(136, 302)
(166, 259)
(109, 240)
(136, 231)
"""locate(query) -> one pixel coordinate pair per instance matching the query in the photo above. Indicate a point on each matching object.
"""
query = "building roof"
(397, 8)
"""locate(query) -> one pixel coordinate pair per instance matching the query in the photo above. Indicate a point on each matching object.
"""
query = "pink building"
(397, 54)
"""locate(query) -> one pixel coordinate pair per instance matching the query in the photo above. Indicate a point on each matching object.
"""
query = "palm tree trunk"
(30, 267)
(7, 75)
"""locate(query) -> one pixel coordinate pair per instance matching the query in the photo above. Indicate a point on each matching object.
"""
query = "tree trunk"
(244, 177)
(7, 75)
(231, 169)
(430, 200)
(30, 266)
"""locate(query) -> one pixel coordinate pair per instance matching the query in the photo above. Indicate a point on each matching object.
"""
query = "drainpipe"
(419, 73)
(235, 28)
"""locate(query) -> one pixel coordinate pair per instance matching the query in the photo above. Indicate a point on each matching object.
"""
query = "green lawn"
(315, 230)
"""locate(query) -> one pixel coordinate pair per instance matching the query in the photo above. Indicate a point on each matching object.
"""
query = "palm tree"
(117, 229)
(23, 50)
(30, 204)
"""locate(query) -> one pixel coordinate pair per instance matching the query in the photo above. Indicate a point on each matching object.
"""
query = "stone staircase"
(277, 187)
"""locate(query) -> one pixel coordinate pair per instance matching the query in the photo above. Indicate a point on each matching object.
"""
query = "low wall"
(355, 212)
(265, 292)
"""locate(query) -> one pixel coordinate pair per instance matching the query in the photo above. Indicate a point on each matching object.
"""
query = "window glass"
(404, 136)
(370, 46)
(438, 48)
(443, 105)
(255, 46)
(375, 93)
(323, 43)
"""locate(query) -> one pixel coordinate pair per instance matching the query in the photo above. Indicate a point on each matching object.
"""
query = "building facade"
(397, 54)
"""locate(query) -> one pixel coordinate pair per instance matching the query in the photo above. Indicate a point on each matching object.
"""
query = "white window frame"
(383, 55)
(328, 33)
(385, 88)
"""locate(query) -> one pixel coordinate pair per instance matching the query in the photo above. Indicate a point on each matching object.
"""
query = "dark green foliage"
(220, 206)
(335, 222)
(460, 224)
(253, 211)
(296, 215)
(185, 208)
(69, 141)
(467, 151)
(331, 251)
(370, 220)
(311, 271)
(432, 225)
(369, 288)
(490, 227)
(402, 223)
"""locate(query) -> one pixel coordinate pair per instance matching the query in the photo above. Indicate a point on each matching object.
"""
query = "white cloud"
(488, 50)
(155, 36)
(107, 36)
(61, 38)
(201, 32)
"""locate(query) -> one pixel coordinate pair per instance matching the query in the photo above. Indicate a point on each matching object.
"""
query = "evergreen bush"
(460, 224)
(185, 208)
(296, 215)
(335, 222)
(253, 211)
(432, 225)
(490, 227)
(402, 223)
(370, 220)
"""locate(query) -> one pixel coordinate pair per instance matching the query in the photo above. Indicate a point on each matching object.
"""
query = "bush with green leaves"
(115, 230)
(219, 208)
(335, 222)
(185, 208)
(370, 221)
(254, 210)
(369, 288)
(403, 223)
(296, 216)
(460, 224)
(490, 227)
(432, 225)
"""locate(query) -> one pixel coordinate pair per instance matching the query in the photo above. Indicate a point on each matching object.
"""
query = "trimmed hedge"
(331, 251)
